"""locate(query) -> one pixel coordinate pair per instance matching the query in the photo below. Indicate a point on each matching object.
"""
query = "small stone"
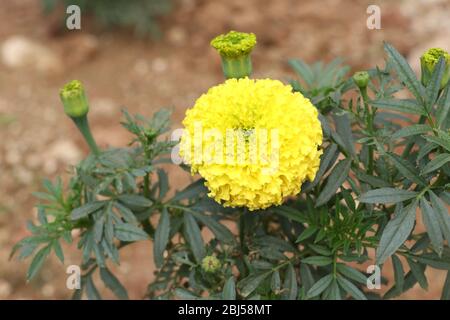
(159, 65)
(21, 52)
(65, 151)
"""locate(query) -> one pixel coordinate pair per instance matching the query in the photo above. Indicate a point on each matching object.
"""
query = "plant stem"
(83, 125)
(370, 126)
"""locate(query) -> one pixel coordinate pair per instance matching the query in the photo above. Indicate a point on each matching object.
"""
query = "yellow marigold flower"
(253, 141)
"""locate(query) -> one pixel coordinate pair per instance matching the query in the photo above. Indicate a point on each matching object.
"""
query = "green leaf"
(399, 274)
(396, 232)
(418, 273)
(58, 250)
(134, 201)
(250, 283)
(443, 108)
(86, 209)
(431, 222)
(443, 142)
(326, 161)
(374, 181)
(194, 237)
(161, 237)
(290, 213)
(229, 289)
(193, 190)
(163, 183)
(303, 70)
(441, 214)
(351, 289)
(399, 105)
(220, 231)
(307, 233)
(334, 181)
(351, 273)
(406, 169)
(129, 232)
(275, 282)
(318, 261)
(405, 73)
(411, 131)
(344, 129)
(290, 286)
(436, 163)
(434, 85)
(126, 213)
(91, 290)
(446, 289)
(37, 262)
(113, 284)
(333, 292)
(387, 195)
(319, 286)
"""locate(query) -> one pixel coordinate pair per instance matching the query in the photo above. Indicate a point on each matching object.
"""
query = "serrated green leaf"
(318, 260)
(194, 237)
(161, 237)
(38, 261)
(411, 131)
(436, 163)
(91, 290)
(387, 195)
(441, 214)
(250, 283)
(351, 289)
(129, 232)
(290, 286)
(399, 274)
(399, 105)
(351, 273)
(431, 222)
(113, 284)
(406, 169)
(443, 108)
(319, 286)
(396, 232)
(418, 273)
(334, 181)
(86, 209)
(445, 143)
(275, 281)
(405, 73)
(229, 289)
(307, 233)
(126, 213)
(133, 201)
(58, 250)
(434, 85)
(220, 231)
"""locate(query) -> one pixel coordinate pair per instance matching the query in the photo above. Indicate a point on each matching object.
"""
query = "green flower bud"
(74, 99)
(211, 264)
(428, 62)
(361, 78)
(234, 49)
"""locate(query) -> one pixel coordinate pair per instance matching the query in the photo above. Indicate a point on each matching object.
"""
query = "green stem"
(83, 125)
(370, 126)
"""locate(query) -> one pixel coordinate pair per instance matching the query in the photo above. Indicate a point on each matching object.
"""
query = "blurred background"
(148, 54)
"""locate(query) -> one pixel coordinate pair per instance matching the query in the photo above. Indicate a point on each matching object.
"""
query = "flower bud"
(361, 78)
(234, 49)
(211, 264)
(74, 99)
(428, 62)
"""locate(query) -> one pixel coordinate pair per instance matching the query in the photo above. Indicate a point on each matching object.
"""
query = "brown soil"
(37, 140)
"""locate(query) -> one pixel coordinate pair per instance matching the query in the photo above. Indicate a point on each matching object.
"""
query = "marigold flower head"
(259, 142)
(74, 99)
(428, 62)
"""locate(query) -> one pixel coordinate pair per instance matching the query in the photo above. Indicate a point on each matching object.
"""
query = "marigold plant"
(362, 177)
